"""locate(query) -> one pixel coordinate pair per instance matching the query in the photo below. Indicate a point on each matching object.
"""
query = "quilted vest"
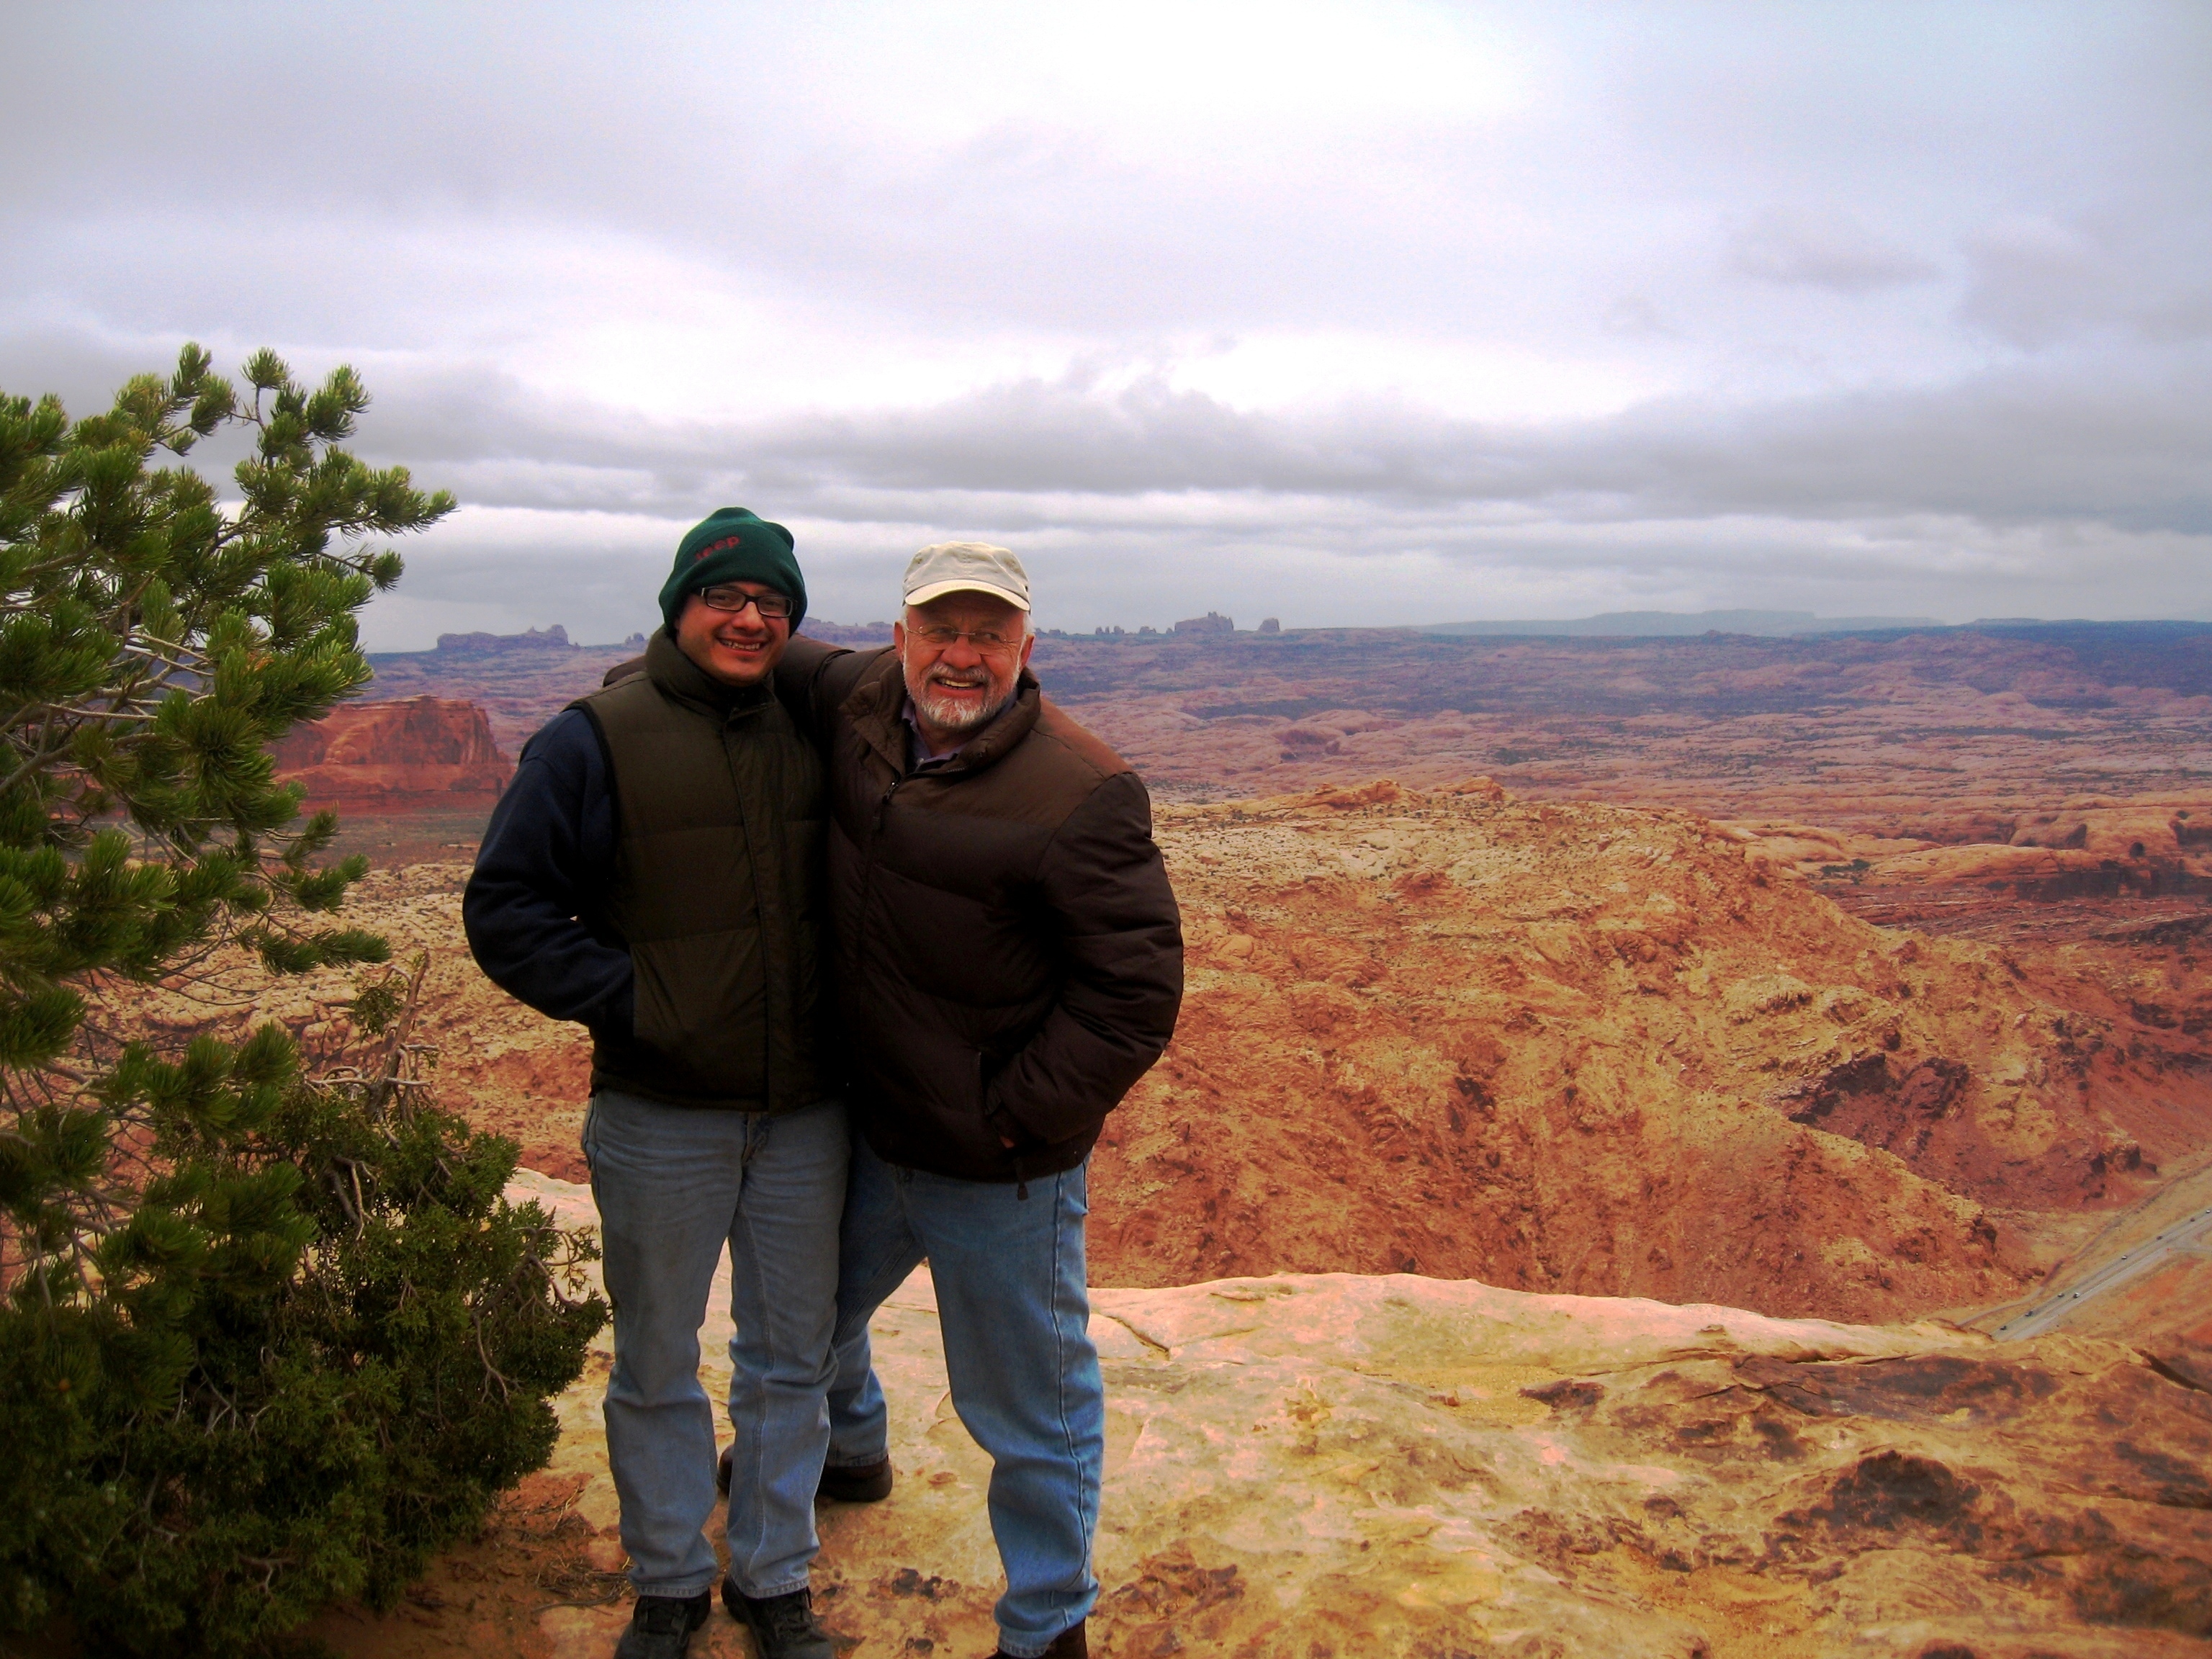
(718, 892)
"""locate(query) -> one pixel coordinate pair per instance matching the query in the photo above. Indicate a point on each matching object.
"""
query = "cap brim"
(938, 590)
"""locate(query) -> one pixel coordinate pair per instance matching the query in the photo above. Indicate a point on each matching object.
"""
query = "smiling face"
(737, 647)
(957, 688)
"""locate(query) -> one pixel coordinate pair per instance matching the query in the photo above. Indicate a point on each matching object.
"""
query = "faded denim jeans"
(674, 1185)
(1015, 1311)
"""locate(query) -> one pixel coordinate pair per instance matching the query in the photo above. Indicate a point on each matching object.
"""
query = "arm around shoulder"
(800, 683)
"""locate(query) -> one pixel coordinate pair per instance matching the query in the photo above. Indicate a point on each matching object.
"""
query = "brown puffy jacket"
(1009, 952)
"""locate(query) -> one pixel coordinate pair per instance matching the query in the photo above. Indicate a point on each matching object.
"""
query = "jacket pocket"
(701, 1009)
(1001, 1123)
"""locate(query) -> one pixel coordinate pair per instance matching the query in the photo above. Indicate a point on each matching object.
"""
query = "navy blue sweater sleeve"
(548, 853)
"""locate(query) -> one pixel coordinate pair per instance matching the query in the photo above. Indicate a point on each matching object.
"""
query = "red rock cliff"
(415, 751)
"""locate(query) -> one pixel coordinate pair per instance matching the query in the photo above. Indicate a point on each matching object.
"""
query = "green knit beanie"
(731, 544)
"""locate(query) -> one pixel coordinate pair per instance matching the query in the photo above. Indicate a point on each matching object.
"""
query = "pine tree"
(265, 1341)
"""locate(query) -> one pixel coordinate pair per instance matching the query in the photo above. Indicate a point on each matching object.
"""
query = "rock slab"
(409, 753)
(1336, 1465)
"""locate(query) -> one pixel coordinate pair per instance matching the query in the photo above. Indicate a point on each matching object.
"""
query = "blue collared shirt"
(918, 755)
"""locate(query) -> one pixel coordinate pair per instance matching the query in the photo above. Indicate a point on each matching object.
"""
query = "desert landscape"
(1690, 1130)
(1674, 1145)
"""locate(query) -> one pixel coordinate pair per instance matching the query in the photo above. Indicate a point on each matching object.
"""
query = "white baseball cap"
(964, 568)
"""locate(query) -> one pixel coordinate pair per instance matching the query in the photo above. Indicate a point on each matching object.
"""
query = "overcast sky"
(1359, 313)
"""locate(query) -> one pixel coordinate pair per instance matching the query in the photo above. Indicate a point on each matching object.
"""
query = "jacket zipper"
(762, 905)
(868, 910)
(875, 844)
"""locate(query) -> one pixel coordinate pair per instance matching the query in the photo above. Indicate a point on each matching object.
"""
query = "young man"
(654, 873)
(1009, 962)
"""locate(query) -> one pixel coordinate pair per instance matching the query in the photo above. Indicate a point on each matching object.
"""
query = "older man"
(1009, 962)
(654, 873)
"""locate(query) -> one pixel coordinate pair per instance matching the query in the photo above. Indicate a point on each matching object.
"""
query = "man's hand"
(1006, 1141)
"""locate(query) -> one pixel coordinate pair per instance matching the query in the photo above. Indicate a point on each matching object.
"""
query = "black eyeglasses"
(988, 642)
(773, 607)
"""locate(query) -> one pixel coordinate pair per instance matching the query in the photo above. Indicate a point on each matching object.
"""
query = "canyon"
(1538, 1044)
(1851, 979)
(1952, 736)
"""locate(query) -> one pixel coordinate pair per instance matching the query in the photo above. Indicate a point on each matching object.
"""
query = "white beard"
(959, 719)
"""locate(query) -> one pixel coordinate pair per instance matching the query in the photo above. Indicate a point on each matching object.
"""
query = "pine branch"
(226, 1249)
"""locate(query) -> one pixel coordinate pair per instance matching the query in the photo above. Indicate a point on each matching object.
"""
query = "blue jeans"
(1014, 1311)
(674, 1185)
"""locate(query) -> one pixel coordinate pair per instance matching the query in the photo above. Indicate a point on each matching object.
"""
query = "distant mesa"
(554, 638)
(830, 633)
(1212, 622)
(1270, 625)
(1655, 624)
(411, 753)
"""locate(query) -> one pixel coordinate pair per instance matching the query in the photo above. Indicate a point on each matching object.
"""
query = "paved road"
(2182, 1238)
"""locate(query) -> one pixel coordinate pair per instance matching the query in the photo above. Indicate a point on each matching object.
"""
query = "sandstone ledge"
(1336, 1465)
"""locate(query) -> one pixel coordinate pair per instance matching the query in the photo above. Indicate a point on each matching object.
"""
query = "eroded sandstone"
(1334, 1465)
(1586, 1049)
(1559, 1047)
(406, 755)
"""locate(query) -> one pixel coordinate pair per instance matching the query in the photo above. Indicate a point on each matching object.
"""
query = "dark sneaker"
(783, 1626)
(862, 1483)
(1070, 1643)
(661, 1626)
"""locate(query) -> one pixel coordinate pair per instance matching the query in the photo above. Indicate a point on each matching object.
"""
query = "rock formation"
(554, 638)
(859, 635)
(2144, 1277)
(1652, 625)
(1542, 1046)
(395, 756)
(517, 691)
(1497, 1055)
(1945, 735)
(1334, 1466)
(1917, 1024)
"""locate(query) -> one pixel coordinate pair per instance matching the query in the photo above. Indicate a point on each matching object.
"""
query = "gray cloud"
(1831, 250)
(2036, 282)
(2083, 440)
(1403, 311)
